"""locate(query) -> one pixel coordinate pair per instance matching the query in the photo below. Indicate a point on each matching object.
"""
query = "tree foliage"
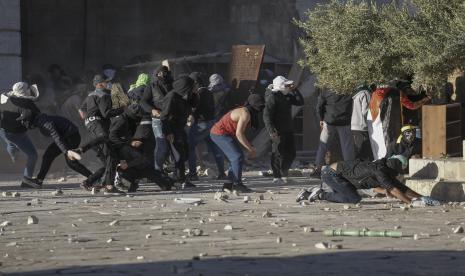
(352, 42)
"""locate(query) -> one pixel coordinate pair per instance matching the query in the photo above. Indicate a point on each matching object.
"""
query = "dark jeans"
(182, 147)
(343, 190)
(198, 132)
(162, 146)
(362, 146)
(98, 131)
(53, 151)
(283, 154)
(233, 152)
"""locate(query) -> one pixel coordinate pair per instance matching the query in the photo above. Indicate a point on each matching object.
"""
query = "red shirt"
(225, 126)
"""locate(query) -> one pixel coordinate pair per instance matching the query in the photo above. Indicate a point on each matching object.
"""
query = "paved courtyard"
(148, 233)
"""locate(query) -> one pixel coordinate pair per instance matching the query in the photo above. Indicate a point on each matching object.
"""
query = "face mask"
(109, 85)
(409, 136)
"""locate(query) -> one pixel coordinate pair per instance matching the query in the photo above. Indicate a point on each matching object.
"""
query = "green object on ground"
(363, 233)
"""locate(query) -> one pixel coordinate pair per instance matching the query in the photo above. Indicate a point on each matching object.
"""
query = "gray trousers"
(327, 135)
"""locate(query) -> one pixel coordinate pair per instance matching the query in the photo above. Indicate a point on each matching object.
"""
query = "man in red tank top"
(229, 134)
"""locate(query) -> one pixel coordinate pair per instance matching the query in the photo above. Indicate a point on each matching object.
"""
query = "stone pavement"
(150, 234)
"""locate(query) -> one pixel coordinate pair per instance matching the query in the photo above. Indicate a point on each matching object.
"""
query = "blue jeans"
(343, 190)
(22, 141)
(161, 147)
(198, 132)
(10, 147)
(233, 152)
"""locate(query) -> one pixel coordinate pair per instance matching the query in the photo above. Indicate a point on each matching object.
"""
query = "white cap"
(280, 82)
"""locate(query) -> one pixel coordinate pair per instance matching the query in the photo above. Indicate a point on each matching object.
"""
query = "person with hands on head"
(229, 135)
(277, 116)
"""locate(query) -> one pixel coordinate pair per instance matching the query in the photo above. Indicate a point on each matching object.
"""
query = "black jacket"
(404, 148)
(56, 127)
(177, 105)
(153, 95)
(205, 107)
(9, 114)
(367, 175)
(334, 109)
(99, 104)
(122, 129)
(277, 114)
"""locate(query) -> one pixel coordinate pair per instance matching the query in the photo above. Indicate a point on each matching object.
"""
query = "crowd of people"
(161, 120)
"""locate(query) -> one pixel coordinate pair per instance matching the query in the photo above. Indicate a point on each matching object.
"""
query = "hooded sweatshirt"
(154, 93)
(176, 105)
(220, 93)
(361, 102)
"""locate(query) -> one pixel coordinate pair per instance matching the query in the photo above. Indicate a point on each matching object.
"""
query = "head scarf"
(217, 83)
(22, 90)
(255, 104)
(280, 83)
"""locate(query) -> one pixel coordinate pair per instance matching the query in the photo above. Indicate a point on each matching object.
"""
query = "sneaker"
(241, 188)
(193, 177)
(187, 185)
(277, 181)
(222, 177)
(112, 191)
(29, 182)
(314, 193)
(227, 187)
(429, 201)
(302, 195)
(287, 180)
(86, 185)
(133, 187)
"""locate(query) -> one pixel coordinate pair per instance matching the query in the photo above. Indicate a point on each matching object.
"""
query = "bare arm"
(244, 119)
(400, 195)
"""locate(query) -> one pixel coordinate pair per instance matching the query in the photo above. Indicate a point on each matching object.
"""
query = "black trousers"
(182, 147)
(362, 145)
(283, 154)
(99, 142)
(53, 151)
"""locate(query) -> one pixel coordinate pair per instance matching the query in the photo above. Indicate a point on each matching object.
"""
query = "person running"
(229, 135)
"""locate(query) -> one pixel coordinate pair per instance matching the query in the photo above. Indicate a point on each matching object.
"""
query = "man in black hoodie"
(177, 106)
(65, 137)
(335, 112)
(152, 103)
(277, 116)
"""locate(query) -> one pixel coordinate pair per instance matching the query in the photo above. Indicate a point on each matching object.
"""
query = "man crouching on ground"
(346, 177)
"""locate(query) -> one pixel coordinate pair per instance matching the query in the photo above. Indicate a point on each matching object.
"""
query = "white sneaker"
(314, 193)
(288, 180)
(278, 181)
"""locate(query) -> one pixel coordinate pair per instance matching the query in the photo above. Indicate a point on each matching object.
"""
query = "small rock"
(346, 207)
(110, 240)
(156, 227)
(267, 214)
(279, 240)
(11, 244)
(257, 201)
(294, 245)
(201, 255)
(94, 191)
(6, 194)
(5, 223)
(327, 209)
(16, 194)
(336, 246)
(322, 245)
(458, 230)
(462, 240)
(396, 227)
(86, 201)
(247, 199)
(220, 196)
(57, 192)
(202, 221)
(304, 203)
(78, 239)
(140, 257)
(36, 201)
(228, 227)
(163, 205)
(235, 193)
(214, 214)
(308, 229)
(113, 223)
(32, 220)
(261, 197)
(73, 225)
(127, 248)
(182, 242)
(148, 236)
(416, 237)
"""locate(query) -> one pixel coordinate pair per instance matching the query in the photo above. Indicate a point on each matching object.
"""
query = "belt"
(145, 122)
(91, 119)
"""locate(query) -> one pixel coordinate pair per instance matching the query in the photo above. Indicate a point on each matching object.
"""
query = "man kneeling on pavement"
(344, 178)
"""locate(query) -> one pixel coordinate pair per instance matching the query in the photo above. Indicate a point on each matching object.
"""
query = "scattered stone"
(94, 191)
(448, 223)
(110, 240)
(397, 227)
(6, 194)
(261, 197)
(201, 255)
(228, 227)
(86, 201)
(163, 205)
(294, 245)
(127, 248)
(78, 239)
(140, 257)
(114, 223)
(247, 199)
(11, 244)
(5, 223)
(257, 201)
(202, 221)
(336, 246)
(235, 193)
(308, 229)
(458, 230)
(322, 245)
(156, 227)
(57, 192)
(16, 194)
(327, 209)
(148, 236)
(182, 242)
(404, 208)
(215, 214)
(267, 214)
(346, 207)
(416, 237)
(32, 220)
(73, 225)
(279, 240)
(304, 203)
(220, 196)
(462, 240)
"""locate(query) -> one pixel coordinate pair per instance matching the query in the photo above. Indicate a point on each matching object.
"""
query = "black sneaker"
(31, 183)
(187, 185)
(241, 188)
(227, 187)
(222, 177)
(133, 187)
(302, 195)
(112, 191)
(86, 185)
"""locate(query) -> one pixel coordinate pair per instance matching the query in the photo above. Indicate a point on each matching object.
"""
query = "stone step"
(451, 169)
(442, 190)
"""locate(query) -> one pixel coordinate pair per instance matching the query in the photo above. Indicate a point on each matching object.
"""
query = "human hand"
(123, 165)
(274, 135)
(252, 153)
(136, 144)
(322, 123)
(73, 155)
(155, 113)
